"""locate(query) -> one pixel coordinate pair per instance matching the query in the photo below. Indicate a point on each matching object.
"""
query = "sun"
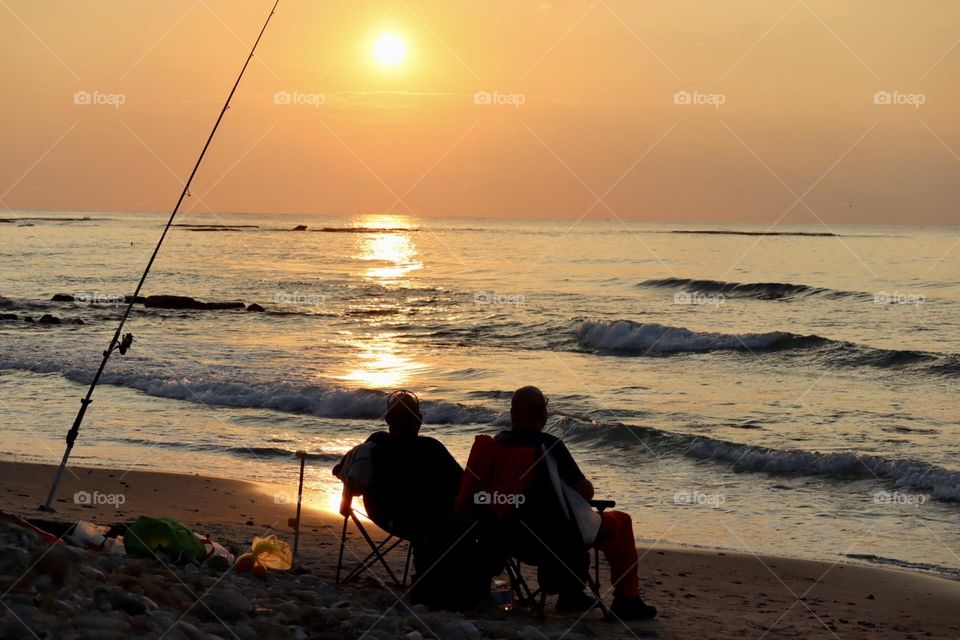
(389, 49)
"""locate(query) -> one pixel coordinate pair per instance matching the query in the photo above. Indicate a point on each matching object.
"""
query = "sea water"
(789, 390)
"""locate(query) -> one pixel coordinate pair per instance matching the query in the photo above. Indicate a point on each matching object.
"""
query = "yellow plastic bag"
(272, 552)
(269, 552)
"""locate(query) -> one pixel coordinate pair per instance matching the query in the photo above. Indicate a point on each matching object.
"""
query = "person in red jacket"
(528, 413)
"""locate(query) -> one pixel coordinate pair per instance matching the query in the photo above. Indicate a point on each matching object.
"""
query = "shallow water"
(791, 394)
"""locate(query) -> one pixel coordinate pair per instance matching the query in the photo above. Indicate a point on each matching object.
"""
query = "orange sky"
(783, 125)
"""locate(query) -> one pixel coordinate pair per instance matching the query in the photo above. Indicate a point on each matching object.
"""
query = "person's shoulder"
(430, 443)
(549, 437)
(549, 440)
(378, 436)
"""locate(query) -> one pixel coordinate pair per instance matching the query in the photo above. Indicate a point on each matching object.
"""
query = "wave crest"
(653, 338)
(756, 290)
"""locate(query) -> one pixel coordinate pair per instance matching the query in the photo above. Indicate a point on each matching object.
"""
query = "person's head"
(528, 409)
(403, 413)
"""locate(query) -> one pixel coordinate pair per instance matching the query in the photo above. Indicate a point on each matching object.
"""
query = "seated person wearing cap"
(414, 483)
(528, 413)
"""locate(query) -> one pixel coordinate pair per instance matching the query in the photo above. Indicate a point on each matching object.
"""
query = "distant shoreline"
(759, 225)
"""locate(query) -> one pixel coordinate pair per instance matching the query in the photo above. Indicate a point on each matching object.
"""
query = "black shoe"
(632, 609)
(574, 602)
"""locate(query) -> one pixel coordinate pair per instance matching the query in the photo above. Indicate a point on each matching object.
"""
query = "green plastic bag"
(147, 536)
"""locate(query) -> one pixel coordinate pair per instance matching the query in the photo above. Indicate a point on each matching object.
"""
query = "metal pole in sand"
(296, 531)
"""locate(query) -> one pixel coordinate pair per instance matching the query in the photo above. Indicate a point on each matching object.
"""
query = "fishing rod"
(121, 344)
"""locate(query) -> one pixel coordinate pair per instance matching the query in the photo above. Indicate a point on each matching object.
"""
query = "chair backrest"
(495, 470)
(411, 487)
(542, 532)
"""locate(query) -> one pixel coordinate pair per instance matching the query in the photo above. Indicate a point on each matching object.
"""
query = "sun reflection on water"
(380, 364)
(389, 246)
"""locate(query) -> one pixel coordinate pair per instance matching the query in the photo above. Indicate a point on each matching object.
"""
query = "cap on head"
(528, 408)
(403, 412)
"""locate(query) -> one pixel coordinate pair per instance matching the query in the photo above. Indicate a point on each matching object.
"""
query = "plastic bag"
(87, 535)
(217, 556)
(147, 536)
(269, 552)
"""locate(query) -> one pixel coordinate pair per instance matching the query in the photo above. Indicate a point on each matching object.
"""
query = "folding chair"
(486, 475)
(523, 595)
(378, 550)
(536, 599)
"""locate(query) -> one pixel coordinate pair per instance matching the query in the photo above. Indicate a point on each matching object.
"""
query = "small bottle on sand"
(502, 594)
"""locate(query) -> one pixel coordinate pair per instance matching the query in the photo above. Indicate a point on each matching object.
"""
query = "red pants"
(615, 540)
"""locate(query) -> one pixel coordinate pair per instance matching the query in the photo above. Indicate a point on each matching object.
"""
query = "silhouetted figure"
(414, 483)
(528, 413)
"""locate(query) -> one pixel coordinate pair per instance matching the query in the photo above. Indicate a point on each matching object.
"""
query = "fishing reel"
(123, 345)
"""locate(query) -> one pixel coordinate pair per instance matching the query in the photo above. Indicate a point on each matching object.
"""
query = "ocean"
(791, 392)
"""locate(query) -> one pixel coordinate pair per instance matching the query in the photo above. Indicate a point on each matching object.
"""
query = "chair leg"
(517, 582)
(406, 565)
(343, 542)
(376, 553)
(536, 600)
(596, 566)
(595, 585)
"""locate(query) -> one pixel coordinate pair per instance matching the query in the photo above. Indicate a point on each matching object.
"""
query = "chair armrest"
(600, 505)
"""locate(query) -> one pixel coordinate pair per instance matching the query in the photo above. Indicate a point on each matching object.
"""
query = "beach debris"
(87, 535)
(255, 307)
(77, 593)
(218, 557)
(300, 227)
(268, 552)
(49, 319)
(147, 537)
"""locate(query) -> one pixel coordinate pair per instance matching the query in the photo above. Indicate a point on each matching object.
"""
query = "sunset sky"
(745, 111)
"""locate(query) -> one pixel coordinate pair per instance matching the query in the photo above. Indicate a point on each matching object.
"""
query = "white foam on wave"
(625, 335)
(317, 400)
(902, 473)
(899, 473)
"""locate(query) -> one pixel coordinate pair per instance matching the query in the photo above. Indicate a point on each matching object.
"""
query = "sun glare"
(389, 49)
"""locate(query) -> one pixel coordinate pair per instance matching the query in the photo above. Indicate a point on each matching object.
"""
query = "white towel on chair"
(575, 506)
(356, 470)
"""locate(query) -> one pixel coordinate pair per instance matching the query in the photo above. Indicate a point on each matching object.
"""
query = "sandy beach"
(700, 593)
